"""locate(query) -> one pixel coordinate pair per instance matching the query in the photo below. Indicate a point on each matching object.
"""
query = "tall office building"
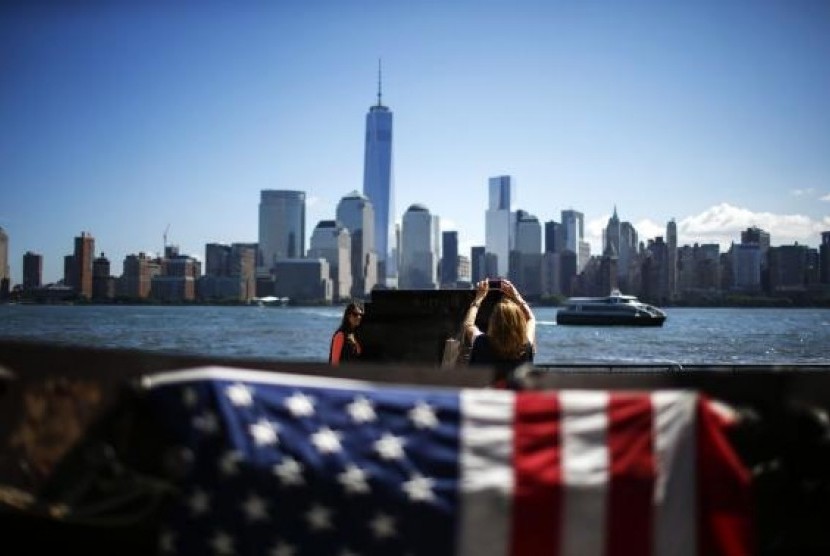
(499, 220)
(528, 235)
(573, 223)
(356, 213)
(281, 227)
(5, 278)
(103, 284)
(526, 256)
(378, 186)
(554, 237)
(621, 243)
(137, 275)
(331, 241)
(612, 236)
(449, 259)
(671, 241)
(477, 264)
(627, 256)
(824, 258)
(82, 264)
(230, 272)
(418, 257)
(32, 270)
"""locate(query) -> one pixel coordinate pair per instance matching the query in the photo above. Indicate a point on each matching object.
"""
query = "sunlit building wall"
(332, 242)
(499, 220)
(82, 264)
(356, 213)
(573, 225)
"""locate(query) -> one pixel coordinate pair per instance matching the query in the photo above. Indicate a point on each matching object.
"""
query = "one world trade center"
(378, 187)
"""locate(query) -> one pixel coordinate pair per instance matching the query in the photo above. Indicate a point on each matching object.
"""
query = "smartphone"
(494, 285)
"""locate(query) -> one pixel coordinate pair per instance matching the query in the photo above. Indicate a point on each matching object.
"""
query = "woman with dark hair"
(510, 339)
(344, 344)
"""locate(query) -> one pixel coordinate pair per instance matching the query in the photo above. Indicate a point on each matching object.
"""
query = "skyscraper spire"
(380, 76)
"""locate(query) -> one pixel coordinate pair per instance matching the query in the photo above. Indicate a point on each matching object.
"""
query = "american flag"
(289, 465)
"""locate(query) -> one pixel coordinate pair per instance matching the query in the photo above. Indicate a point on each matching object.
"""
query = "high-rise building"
(32, 270)
(671, 244)
(332, 242)
(281, 227)
(528, 234)
(824, 258)
(82, 264)
(137, 276)
(621, 244)
(217, 260)
(554, 237)
(499, 222)
(789, 268)
(230, 272)
(378, 186)
(418, 257)
(573, 224)
(627, 257)
(449, 259)
(103, 284)
(477, 264)
(612, 236)
(5, 275)
(526, 256)
(356, 213)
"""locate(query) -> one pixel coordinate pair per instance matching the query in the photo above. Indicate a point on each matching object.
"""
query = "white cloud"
(724, 223)
(803, 192)
(647, 229)
(824, 197)
(448, 224)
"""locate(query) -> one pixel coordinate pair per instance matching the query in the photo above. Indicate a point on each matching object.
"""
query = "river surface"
(689, 336)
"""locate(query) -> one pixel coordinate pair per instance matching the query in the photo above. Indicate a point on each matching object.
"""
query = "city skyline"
(129, 121)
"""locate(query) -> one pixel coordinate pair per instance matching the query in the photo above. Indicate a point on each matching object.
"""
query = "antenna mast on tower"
(380, 79)
(167, 229)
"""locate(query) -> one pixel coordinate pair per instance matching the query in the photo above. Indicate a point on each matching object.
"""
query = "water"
(689, 336)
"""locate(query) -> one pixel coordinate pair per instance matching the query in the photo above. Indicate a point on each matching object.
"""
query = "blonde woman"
(510, 339)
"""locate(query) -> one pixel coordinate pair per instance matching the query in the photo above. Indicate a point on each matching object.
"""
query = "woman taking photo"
(344, 344)
(510, 339)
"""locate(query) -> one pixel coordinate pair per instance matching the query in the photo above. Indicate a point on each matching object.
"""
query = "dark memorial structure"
(85, 469)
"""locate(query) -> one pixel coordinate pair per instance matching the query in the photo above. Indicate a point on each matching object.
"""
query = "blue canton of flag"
(296, 466)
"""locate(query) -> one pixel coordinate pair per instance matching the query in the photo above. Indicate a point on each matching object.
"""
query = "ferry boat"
(614, 309)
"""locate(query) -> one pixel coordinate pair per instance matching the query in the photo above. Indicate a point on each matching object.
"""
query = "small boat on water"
(614, 309)
(270, 301)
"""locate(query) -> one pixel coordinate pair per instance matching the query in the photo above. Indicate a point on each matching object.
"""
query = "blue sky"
(121, 118)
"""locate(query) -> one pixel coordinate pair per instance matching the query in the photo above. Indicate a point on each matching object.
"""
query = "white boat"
(270, 301)
(614, 309)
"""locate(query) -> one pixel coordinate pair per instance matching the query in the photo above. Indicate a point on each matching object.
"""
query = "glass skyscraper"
(281, 227)
(499, 222)
(418, 256)
(378, 187)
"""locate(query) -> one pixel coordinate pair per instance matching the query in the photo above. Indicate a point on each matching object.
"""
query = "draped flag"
(287, 465)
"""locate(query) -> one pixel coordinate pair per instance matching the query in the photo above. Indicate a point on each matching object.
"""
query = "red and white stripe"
(598, 473)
